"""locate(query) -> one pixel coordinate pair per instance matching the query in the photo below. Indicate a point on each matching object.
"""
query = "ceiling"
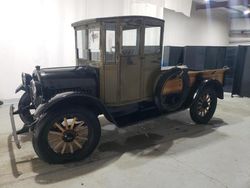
(237, 8)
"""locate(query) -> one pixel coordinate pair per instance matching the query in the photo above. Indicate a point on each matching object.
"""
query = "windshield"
(88, 44)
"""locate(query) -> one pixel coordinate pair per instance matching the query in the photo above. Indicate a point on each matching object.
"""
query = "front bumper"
(13, 125)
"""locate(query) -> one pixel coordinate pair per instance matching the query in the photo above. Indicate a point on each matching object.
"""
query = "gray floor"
(170, 151)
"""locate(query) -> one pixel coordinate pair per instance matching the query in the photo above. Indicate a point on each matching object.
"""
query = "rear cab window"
(130, 44)
(152, 42)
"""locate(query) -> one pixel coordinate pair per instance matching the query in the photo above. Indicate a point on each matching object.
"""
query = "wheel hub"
(69, 135)
(205, 105)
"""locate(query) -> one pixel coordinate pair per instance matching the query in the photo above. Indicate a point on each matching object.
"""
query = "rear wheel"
(66, 135)
(203, 108)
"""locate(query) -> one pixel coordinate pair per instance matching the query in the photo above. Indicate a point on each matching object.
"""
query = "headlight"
(26, 78)
(36, 92)
(23, 79)
(35, 88)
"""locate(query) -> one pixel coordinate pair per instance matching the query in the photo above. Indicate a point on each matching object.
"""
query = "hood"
(77, 72)
(63, 79)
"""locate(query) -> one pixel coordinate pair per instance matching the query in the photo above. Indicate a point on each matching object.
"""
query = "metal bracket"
(13, 125)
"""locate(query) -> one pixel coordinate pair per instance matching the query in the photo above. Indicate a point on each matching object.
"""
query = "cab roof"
(121, 19)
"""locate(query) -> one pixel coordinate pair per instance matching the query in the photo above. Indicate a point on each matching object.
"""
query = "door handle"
(129, 61)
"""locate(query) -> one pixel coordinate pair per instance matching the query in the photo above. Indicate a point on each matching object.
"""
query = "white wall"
(182, 6)
(39, 32)
(204, 27)
(34, 32)
(105, 8)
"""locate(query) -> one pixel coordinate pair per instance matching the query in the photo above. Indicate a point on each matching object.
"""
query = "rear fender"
(215, 84)
(199, 86)
(73, 98)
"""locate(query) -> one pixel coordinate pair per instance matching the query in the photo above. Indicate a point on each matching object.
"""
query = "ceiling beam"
(213, 4)
(223, 4)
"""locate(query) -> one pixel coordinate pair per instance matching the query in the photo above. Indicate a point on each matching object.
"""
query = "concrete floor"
(170, 151)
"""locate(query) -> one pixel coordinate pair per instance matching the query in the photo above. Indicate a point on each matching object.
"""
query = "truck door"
(151, 59)
(130, 62)
(110, 77)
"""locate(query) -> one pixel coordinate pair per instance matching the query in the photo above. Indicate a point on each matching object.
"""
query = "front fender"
(19, 88)
(74, 98)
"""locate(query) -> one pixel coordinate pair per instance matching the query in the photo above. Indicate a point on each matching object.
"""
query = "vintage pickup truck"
(118, 73)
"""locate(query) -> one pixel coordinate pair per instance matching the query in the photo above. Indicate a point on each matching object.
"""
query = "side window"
(81, 44)
(94, 44)
(110, 46)
(152, 40)
(130, 45)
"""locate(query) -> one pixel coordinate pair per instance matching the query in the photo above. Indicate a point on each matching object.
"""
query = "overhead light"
(206, 1)
(246, 12)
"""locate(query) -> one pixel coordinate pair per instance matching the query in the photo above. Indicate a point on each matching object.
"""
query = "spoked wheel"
(67, 135)
(204, 104)
(202, 110)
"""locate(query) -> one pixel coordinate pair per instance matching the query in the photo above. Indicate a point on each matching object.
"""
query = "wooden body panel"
(130, 79)
(175, 85)
(214, 74)
(111, 87)
(172, 86)
(150, 71)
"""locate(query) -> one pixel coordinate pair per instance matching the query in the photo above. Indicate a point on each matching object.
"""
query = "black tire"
(171, 102)
(43, 147)
(24, 112)
(204, 106)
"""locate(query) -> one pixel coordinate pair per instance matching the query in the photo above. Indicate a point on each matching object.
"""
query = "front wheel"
(24, 109)
(65, 135)
(203, 108)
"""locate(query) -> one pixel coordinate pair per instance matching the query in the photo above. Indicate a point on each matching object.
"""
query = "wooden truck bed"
(175, 85)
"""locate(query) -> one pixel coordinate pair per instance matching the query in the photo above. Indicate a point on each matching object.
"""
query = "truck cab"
(127, 52)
